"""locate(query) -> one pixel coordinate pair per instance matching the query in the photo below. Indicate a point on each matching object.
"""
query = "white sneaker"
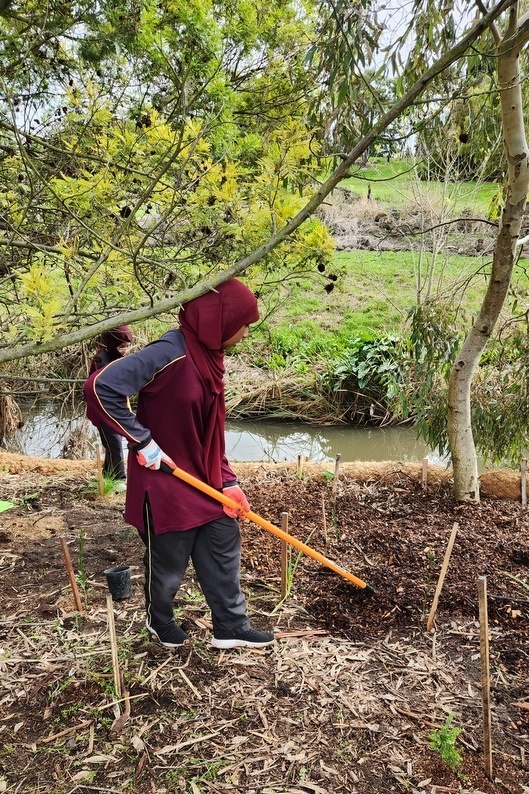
(244, 638)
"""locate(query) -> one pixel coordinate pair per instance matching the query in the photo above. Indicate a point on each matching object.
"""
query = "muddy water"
(48, 429)
(281, 441)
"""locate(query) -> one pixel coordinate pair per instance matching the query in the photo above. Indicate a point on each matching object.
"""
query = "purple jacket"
(173, 404)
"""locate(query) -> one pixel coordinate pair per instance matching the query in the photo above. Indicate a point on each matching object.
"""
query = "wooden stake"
(523, 468)
(299, 471)
(113, 646)
(425, 473)
(324, 517)
(442, 575)
(336, 475)
(284, 557)
(99, 471)
(485, 674)
(71, 575)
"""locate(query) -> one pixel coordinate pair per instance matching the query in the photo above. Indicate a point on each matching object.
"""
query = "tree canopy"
(152, 149)
(146, 146)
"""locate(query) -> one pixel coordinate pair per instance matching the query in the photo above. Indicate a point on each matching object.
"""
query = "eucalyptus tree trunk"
(462, 447)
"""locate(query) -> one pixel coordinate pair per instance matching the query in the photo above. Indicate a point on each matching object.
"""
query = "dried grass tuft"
(10, 415)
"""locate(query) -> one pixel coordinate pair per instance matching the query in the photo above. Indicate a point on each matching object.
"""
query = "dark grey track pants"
(215, 549)
(113, 465)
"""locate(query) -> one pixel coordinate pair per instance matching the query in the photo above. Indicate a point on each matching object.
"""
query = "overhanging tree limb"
(129, 317)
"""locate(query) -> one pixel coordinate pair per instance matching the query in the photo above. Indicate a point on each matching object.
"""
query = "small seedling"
(27, 499)
(443, 742)
(290, 571)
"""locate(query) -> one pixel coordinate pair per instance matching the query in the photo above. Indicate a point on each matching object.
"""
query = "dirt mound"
(494, 484)
(12, 463)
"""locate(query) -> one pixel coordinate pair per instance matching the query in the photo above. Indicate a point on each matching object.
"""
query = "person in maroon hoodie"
(181, 417)
(114, 345)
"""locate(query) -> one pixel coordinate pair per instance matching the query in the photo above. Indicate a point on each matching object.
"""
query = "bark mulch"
(346, 699)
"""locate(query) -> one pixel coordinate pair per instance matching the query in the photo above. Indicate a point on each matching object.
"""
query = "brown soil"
(346, 698)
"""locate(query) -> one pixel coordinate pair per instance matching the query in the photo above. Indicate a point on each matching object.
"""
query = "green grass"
(396, 183)
(373, 295)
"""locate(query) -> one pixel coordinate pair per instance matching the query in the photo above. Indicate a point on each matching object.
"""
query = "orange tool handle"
(262, 522)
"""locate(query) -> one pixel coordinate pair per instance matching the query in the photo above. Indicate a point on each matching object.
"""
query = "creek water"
(48, 429)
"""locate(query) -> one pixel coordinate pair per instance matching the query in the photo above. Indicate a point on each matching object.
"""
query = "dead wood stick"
(521, 705)
(509, 600)
(523, 468)
(158, 669)
(324, 518)
(442, 575)
(417, 717)
(191, 686)
(284, 557)
(125, 697)
(66, 731)
(336, 475)
(71, 575)
(113, 646)
(485, 674)
(425, 473)
(99, 471)
(91, 735)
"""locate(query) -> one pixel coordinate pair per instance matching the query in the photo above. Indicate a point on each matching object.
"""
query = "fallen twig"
(508, 599)
(66, 731)
(190, 685)
(417, 717)
(280, 635)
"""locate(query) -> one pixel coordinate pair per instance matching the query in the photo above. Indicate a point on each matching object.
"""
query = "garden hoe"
(262, 522)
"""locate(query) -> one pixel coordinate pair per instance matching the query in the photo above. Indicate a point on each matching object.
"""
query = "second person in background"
(114, 345)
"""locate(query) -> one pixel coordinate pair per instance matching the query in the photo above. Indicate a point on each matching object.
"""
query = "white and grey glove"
(151, 456)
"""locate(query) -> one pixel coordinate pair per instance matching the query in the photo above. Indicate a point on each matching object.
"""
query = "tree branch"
(168, 304)
(493, 28)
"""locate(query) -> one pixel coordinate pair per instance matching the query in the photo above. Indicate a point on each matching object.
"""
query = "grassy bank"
(376, 290)
(397, 182)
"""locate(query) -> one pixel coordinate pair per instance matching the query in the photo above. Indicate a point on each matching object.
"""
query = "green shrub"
(369, 375)
(443, 742)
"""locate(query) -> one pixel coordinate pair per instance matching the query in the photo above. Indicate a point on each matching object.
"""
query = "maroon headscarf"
(207, 322)
(116, 337)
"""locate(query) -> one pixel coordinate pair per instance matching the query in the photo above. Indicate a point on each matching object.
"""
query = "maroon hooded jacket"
(178, 379)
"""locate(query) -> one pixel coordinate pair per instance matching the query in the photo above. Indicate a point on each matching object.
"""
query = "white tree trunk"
(462, 447)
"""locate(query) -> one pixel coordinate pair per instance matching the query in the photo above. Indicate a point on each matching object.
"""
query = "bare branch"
(493, 28)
